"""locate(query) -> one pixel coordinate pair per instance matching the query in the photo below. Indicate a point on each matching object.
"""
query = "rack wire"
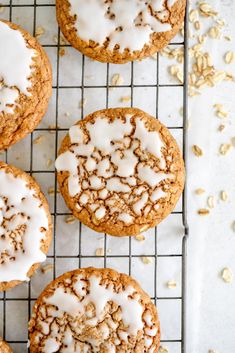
(14, 306)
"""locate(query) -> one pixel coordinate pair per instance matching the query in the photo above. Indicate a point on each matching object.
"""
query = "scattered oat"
(206, 10)
(203, 211)
(99, 252)
(49, 162)
(227, 275)
(177, 72)
(233, 226)
(140, 237)
(211, 351)
(214, 32)
(223, 195)
(70, 219)
(163, 349)
(117, 80)
(225, 148)
(228, 38)
(221, 128)
(229, 57)
(39, 31)
(211, 202)
(51, 191)
(83, 103)
(193, 15)
(197, 25)
(199, 191)
(197, 151)
(171, 284)
(233, 141)
(52, 129)
(38, 140)
(146, 260)
(47, 268)
(125, 99)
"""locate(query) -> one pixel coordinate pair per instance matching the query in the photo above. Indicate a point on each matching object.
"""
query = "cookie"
(118, 31)
(25, 83)
(4, 347)
(94, 310)
(25, 226)
(120, 171)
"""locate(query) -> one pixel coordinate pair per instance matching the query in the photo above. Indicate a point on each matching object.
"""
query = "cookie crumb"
(125, 99)
(49, 162)
(39, 31)
(82, 103)
(70, 219)
(140, 237)
(117, 80)
(38, 140)
(146, 260)
(163, 349)
(51, 191)
(47, 268)
(99, 252)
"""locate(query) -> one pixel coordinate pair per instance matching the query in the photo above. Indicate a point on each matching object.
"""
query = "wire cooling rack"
(79, 79)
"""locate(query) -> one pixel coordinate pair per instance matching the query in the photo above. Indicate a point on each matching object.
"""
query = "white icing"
(151, 332)
(139, 205)
(51, 345)
(100, 213)
(137, 19)
(99, 295)
(114, 184)
(21, 210)
(76, 134)
(15, 69)
(152, 178)
(157, 194)
(125, 217)
(112, 164)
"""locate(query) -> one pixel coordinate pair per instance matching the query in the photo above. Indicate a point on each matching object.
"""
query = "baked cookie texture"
(120, 171)
(118, 31)
(25, 226)
(94, 310)
(4, 347)
(26, 83)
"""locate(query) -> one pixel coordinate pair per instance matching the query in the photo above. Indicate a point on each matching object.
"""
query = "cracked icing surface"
(120, 171)
(24, 225)
(25, 83)
(127, 24)
(124, 25)
(94, 310)
(14, 74)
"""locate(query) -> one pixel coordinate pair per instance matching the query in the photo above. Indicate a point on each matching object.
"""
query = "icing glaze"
(128, 24)
(14, 74)
(112, 167)
(23, 223)
(87, 301)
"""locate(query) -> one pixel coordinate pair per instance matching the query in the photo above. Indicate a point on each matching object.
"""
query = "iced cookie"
(25, 83)
(120, 171)
(4, 347)
(94, 310)
(25, 226)
(117, 31)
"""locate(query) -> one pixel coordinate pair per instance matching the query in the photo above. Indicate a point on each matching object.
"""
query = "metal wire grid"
(182, 298)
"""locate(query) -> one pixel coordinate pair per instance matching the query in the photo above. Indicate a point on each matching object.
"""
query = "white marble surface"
(211, 315)
(211, 245)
